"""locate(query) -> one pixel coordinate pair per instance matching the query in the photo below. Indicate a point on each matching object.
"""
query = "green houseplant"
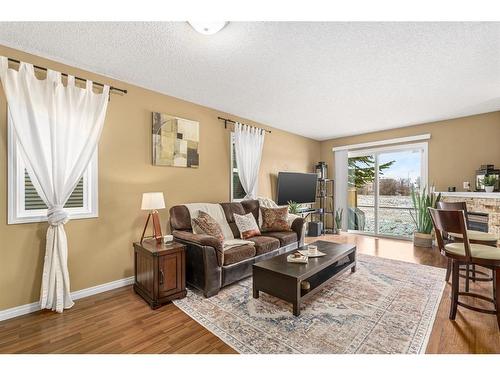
(421, 217)
(293, 207)
(338, 220)
(489, 182)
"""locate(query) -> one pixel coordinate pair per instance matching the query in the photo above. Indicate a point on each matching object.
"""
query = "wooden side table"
(160, 271)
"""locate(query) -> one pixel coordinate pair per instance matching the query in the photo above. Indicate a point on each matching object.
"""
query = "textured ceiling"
(320, 80)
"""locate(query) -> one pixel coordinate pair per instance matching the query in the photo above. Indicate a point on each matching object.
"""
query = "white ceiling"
(320, 80)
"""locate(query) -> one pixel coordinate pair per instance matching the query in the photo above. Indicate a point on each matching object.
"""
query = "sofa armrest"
(298, 227)
(202, 240)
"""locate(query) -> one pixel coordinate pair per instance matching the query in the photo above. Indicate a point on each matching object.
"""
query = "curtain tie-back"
(57, 215)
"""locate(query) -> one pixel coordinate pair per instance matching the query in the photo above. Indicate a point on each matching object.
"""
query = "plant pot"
(422, 239)
(489, 189)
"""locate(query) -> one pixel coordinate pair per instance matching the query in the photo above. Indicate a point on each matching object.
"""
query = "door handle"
(162, 276)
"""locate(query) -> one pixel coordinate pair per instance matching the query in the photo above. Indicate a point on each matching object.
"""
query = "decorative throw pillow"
(275, 219)
(246, 225)
(208, 225)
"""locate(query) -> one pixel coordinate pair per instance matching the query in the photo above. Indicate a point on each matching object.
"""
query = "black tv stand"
(305, 212)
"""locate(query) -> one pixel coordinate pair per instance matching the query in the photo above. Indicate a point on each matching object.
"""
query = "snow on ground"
(395, 220)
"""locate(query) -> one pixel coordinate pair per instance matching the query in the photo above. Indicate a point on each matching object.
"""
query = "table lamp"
(153, 202)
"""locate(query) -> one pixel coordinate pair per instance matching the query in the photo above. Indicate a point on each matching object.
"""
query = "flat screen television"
(296, 187)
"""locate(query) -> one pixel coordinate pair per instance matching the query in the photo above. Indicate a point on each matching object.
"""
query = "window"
(26, 206)
(237, 191)
(380, 182)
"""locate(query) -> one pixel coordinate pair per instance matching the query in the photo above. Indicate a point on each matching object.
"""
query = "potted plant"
(293, 207)
(338, 220)
(422, 236)
(489, 182)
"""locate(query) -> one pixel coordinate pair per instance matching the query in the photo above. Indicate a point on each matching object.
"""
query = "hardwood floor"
(388, 248)
(471, 332)
(119, 321)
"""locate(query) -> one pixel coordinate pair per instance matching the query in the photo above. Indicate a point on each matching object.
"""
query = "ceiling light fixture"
(208, 27)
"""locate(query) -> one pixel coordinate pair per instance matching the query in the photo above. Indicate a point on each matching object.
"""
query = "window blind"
(32, 200)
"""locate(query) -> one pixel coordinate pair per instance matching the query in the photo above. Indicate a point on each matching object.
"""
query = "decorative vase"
(489, 189)
(422, 239)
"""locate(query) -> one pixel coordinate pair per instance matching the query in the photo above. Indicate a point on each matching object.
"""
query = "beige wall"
(100, 250)
(456, 149)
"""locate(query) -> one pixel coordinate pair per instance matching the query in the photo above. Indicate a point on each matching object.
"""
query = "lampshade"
(152, 201)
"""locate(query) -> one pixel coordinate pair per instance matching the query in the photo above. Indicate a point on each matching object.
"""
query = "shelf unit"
(325, 203)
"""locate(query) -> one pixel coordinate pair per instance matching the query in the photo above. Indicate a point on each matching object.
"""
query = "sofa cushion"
(264, 244)
(251, 206)
(275, 219)
(229, 210)
(238, 253)
(247, 225)
(285, 238)
(208, 225)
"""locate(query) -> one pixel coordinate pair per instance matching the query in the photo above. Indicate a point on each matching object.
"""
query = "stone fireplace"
(480, 203)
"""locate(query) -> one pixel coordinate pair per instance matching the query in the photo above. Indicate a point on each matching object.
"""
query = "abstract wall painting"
(175, 141)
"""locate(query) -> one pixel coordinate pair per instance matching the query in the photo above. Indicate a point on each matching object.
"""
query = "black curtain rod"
(111, 88)
(226, 120)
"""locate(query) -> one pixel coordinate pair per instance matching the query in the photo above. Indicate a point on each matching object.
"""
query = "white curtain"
(341, 174)
(248, 143)
(58, 128)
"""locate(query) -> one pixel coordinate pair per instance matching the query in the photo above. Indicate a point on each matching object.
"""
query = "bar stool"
(475, 236)
(466, 253)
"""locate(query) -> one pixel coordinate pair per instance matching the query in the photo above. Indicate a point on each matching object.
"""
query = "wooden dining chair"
(466, 253)
(475, 236)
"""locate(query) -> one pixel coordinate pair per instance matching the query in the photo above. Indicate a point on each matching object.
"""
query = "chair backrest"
(459, 206)
(450, 221)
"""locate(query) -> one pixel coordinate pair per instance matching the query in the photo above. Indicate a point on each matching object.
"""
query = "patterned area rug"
(387, 306)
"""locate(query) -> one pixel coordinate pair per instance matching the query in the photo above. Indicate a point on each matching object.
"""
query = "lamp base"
(156, 227)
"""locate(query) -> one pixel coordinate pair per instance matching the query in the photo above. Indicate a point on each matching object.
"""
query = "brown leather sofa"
(208, 267)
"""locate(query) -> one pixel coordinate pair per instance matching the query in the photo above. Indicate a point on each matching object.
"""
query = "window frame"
(424, 146)
(424, 176)
(232, 169)
(17, 214)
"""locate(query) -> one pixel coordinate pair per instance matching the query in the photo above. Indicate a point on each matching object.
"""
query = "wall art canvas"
(175, 141)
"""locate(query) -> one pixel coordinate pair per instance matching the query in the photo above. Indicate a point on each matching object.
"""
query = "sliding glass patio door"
(379, 185)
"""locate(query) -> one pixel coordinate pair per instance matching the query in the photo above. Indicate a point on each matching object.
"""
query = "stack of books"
(297, 258)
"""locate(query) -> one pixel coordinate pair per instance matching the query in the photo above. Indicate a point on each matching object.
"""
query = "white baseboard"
(102, 288)
(35, 306)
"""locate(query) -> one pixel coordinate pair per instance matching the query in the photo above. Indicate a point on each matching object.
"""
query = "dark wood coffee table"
(282, 279)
